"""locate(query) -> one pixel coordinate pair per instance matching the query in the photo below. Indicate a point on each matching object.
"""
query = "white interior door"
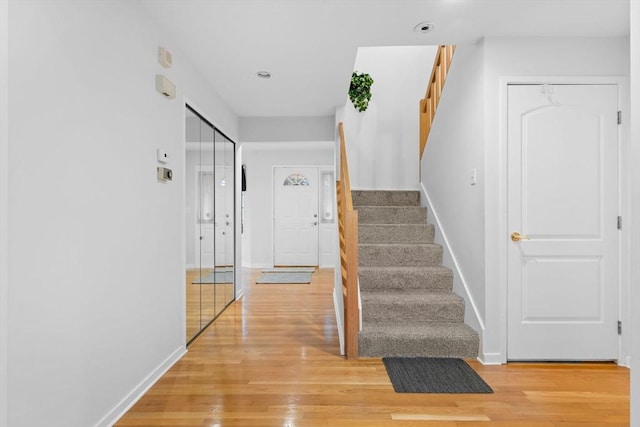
(295, 232)
(563, 197)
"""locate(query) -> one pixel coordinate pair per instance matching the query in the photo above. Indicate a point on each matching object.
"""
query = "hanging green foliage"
(360, 90)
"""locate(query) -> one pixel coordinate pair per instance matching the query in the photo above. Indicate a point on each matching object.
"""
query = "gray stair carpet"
(408, 305)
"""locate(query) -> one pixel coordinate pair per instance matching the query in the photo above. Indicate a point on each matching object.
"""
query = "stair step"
(385, 198)
(412, 340)
(408, 307)
(412, 307)
(397, 279)
(392, 215)
(408, 255)
(396, 233)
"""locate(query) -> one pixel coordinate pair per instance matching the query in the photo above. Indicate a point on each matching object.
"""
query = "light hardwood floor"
(205, 301)
(271, 359)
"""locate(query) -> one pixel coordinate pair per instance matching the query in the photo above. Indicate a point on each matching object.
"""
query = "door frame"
(501, 233)
(273, 206)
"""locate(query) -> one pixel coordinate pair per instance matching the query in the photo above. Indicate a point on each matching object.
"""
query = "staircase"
(408, 306)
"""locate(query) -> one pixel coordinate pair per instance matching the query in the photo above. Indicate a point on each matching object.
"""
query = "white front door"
(295, 231)
(563, 198)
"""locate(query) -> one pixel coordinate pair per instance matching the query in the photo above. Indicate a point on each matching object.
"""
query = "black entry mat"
(433, 375)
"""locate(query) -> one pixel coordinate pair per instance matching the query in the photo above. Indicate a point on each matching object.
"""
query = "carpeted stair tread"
(396, 278)
(395, 233)
(385, 198)
(397, 254)
(429, 340)
(416, 307)
(408, 304)
(392, 215)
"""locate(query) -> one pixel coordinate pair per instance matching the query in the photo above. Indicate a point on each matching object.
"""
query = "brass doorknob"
(516, 237)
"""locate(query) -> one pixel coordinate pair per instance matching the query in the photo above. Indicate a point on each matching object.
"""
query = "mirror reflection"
(210, 230)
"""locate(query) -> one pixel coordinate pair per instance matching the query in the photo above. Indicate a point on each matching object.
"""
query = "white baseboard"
(339, 322)
(260, 266)
(490, 359)
(121, 408)
(625, 361)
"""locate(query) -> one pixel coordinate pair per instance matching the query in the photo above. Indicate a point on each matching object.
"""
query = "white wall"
(521, 58)
(635, 202)
(260, 158)
(4, 202)
(382, 142)
(456, 207)
(96, 244)
(281, 129)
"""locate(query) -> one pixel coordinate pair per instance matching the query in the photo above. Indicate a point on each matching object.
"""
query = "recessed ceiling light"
(263, 74)
(424, 27)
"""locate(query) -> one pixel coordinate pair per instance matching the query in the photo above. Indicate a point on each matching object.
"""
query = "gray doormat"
(280, 278)
(215, 277)
(433, 375)
(289, 270)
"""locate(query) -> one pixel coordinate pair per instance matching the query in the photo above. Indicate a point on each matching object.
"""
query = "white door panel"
(563, 280)
(296, 216)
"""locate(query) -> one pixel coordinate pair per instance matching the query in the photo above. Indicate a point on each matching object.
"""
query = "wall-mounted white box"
(163, 156)
(165, 87)
(164, 57)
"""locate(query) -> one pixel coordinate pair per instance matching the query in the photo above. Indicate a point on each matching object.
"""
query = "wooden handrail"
(429, 104)
(348, 229)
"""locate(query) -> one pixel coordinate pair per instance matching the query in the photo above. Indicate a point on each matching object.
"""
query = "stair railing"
(429, 104)
(348, 231)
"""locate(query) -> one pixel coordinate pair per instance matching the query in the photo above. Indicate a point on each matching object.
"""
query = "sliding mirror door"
(206, 217)
(209, 222)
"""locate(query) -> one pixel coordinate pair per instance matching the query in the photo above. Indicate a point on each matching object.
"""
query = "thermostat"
(164, 174)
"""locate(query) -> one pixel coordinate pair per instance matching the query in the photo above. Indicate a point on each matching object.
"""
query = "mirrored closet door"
(210, 231)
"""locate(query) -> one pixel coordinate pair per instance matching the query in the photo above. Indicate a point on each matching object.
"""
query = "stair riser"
(385, 198)
(412, 313)
(391, 215)
(415, 347)
(418, 233)
(399, 255)
(390, 281)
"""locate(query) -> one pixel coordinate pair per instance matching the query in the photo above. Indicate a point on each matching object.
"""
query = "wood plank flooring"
(271, 359)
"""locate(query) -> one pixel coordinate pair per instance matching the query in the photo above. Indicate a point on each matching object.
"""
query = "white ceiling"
(310, 45)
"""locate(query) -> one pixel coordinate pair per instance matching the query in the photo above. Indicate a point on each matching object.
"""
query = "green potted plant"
(360, 90)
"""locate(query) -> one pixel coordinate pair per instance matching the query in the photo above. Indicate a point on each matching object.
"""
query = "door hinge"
(619, 223)
(619, 327)
(619, 117)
